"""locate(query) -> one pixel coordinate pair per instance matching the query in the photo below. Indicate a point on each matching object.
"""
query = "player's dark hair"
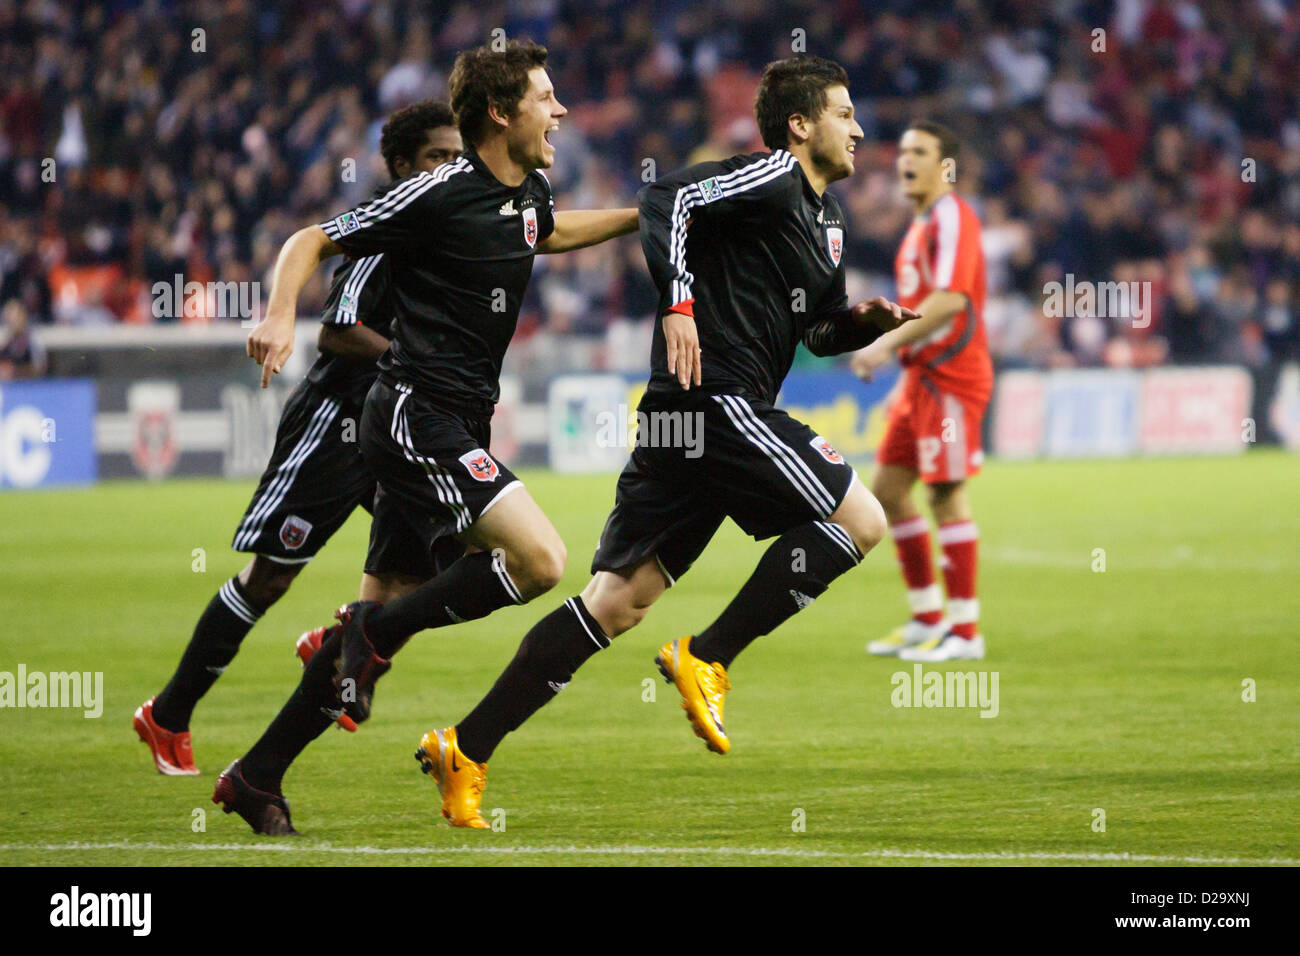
(949, 145)
(484, 77)
(796, 84)
(407, 130)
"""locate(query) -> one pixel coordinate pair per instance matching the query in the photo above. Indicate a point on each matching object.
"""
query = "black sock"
(547, 658)
(310, 710)
(795, 570)
(229, 616)
(473, 587)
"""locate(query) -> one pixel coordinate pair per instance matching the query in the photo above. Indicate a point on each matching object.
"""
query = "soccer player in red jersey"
(934, 424)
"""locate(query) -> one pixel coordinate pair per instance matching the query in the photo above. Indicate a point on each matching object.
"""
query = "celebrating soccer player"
(315, 477)
(747, 255)
(934, 423)
(461, 241)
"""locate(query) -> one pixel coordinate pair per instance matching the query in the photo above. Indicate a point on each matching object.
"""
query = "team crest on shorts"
(480, 465)
(835, 243)
(294, 531)
(530, 230)
(827, 450)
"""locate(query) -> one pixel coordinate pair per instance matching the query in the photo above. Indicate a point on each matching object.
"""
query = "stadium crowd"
(1154, 141)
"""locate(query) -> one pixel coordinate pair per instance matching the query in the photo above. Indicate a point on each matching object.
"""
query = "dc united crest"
(835, 243)
(827, 450)
(530, 228)
(294, 531)
(480, 464)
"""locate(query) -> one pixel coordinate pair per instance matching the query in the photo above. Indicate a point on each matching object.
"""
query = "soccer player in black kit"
(315, 478)
(747, 255)
(461, 242)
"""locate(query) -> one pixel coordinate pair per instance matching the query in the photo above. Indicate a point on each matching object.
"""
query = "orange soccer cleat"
(173, 753)
(703, 687)
(460, 780)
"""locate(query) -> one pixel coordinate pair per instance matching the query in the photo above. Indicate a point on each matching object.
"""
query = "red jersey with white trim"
(942, 251)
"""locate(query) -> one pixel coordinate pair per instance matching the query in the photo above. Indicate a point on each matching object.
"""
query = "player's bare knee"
(540, 569)
(624, 616)
(266, 581)
(871, 527)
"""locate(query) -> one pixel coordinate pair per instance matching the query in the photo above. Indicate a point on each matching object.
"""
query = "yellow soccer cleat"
(703, 688)
(460, 780)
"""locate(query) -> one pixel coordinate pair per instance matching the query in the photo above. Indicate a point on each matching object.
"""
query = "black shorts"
(435, 475)
(734, 457)
(314, 480)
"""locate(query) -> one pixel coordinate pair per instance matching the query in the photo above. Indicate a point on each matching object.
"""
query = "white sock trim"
(964, 610)
(957, 532)
(911, 528)
(925, 600)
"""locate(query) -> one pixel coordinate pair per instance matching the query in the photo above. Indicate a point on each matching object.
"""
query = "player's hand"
(882, 313)
(683, 349)
(865, 362)
(269, 345)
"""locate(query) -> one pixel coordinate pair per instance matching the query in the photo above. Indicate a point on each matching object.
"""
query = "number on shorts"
(929, 449)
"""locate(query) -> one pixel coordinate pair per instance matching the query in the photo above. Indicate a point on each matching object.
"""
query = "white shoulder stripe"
(947, 215)
(399, 197)
(748, 177)
(351, 298)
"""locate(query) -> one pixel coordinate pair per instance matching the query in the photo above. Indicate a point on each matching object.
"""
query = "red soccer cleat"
(266, 813)
(307, 646)
(173, 753)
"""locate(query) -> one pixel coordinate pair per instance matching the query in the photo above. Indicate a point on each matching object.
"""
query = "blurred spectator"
(21, 356)
(1166, 148)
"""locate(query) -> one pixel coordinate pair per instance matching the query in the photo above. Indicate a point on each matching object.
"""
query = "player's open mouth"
(546, 135)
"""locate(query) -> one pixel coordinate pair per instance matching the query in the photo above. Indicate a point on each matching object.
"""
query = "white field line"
(883, 854)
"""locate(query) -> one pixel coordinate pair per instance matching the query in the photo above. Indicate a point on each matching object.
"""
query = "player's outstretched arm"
(576, 228)
(935, 309)
(271, 341)
(849, 329)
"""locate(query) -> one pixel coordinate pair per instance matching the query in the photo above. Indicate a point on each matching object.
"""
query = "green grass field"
(1120, 691)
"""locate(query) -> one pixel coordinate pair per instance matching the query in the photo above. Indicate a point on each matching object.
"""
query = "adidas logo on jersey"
(508, 208)
(801, 599)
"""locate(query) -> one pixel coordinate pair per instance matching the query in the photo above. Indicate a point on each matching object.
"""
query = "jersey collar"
(817, 202)
(481, 168)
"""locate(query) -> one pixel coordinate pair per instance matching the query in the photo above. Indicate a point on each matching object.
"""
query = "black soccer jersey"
(759, 256)
(460, 246)
(359, 295)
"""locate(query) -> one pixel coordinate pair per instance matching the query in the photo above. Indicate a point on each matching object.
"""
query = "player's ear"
(498, 115)
(798, 128)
